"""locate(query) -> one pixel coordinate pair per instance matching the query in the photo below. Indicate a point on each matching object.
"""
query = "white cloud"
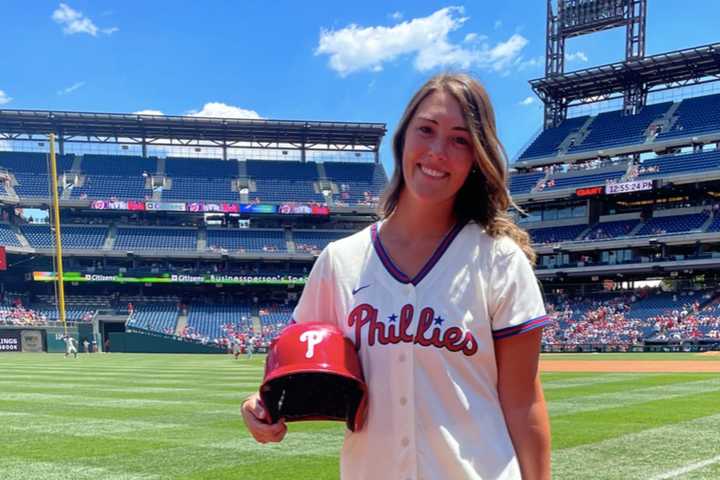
(522, 64)
(355, 48)
(73, 21)
(71, 88)
(577, 56)
(498, 24)
(148, 112)
(4, 98)
(210, 109)
(396, 16)
(527, 101)
(222, 110)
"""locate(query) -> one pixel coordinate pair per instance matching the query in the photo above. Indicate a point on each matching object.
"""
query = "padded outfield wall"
(47, 338)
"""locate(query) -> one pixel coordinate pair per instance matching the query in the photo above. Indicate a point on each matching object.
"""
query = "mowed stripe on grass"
(157, 417)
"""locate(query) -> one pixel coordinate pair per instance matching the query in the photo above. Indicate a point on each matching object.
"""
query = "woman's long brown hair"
(484, 197)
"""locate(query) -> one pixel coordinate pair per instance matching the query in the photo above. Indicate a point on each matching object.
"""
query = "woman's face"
(438, 152)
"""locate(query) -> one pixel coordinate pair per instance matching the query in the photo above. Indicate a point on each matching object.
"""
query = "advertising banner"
(31, 341)
(3, 258)
(173, 278)
(199, 207)
(627, 187)
(257, 208)
(9, 340)
(165, 206)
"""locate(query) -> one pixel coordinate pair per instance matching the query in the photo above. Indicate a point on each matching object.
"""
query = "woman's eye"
(425, 129)
(462, 141)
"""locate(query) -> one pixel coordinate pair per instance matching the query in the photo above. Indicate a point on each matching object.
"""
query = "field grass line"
(588, 403)
(593, 379)
(651, 453)
(687, 469)
(34, 470)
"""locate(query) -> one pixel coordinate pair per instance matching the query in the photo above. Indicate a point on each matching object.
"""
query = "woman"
(442, 303)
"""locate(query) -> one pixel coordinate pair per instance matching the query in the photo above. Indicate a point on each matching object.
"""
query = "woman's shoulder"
(350, 244)
(501, 245)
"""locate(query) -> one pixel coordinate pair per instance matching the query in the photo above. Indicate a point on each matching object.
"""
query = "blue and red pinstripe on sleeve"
(524, 327)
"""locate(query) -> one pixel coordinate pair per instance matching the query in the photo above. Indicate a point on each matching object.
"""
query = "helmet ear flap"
(313, 372)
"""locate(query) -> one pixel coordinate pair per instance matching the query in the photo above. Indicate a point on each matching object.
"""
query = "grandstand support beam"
(581, 17)
(165, 130)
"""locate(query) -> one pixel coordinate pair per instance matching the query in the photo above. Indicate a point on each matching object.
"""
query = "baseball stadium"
(173, 250)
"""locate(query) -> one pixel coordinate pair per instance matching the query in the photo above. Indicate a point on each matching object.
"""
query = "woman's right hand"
(256, 418)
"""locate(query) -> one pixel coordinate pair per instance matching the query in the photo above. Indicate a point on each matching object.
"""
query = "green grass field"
(133, 417)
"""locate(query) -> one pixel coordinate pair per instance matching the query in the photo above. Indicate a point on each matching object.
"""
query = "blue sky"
(312, 60)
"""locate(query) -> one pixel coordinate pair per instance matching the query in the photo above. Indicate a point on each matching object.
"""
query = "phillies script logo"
(426, 334)
(312, 337)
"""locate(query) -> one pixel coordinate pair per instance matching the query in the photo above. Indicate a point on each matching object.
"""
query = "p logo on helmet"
(312, 337)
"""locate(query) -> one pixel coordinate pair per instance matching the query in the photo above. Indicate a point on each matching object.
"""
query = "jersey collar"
(395, 272)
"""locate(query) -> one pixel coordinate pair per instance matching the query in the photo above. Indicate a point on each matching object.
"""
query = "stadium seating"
(282, 181)
(247, 240)
(73, 236)
(8, 237)
(556, 234)
(695, 116)
(32, 162)
(116, 165)
(129, 238)
(612, 129)
(582, 178)
(200, 167)
(209, 320)
(201, 189)
(666, 165)
(279, 315)
(521, 183)
(673, 224)
(310, 240)
(32, 185)
(620, 228)
(354, 179)
(157, 316)
(715, 225)
(113, 186)
(549, 140)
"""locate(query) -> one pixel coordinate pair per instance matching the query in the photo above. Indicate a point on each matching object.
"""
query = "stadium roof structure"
(658, 72)
(166, 130)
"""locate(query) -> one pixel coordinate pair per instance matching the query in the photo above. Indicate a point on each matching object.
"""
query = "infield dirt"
(628, 366)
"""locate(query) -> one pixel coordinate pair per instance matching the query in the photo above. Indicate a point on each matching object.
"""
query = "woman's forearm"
(529, 429)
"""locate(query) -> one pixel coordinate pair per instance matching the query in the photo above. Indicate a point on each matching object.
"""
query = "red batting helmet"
(313, 372)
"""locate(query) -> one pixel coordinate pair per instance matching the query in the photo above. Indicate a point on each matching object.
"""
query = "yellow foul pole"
(58, 241)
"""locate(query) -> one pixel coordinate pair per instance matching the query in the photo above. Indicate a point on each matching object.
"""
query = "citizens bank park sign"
(76, 277)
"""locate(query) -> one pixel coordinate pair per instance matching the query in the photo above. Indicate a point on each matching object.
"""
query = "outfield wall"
(45, 338)
(135, 342)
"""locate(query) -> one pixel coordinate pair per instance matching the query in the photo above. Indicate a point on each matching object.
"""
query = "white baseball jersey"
(426, 347)
(70, 345)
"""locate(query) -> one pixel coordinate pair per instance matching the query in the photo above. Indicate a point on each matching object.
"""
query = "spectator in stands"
(448, 197)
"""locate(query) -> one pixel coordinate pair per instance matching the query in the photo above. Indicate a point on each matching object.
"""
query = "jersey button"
(402, 357)
(405, 442)
(403, 401)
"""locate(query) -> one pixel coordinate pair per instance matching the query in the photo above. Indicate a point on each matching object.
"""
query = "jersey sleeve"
(317, 302)
(515, 302)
